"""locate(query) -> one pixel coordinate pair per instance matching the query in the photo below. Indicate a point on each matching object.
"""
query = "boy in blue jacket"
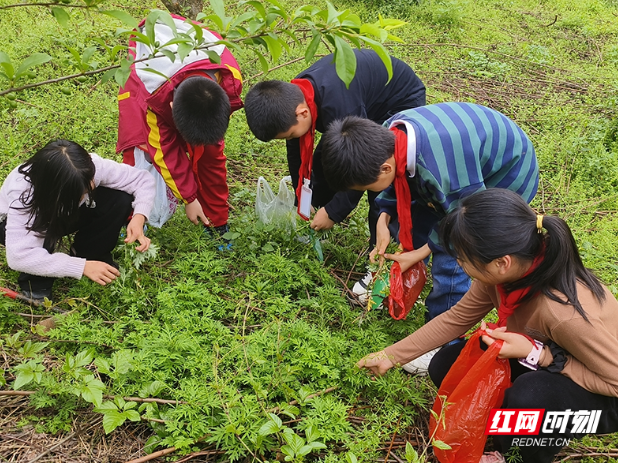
(441, 153)
(314, 99)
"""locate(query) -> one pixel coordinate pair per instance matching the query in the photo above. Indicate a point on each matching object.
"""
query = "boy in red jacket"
(176, 119)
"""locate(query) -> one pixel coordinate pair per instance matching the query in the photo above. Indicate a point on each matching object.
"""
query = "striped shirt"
(461, 148)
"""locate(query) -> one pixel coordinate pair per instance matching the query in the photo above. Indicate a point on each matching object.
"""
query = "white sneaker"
(420, 366)
(360, 288)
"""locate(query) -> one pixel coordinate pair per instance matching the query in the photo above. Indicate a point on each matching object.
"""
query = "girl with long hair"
(62, 190)
(528, 267)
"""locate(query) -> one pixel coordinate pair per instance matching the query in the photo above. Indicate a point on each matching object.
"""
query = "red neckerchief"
(402, 190)
(510, 301)
(306, 141)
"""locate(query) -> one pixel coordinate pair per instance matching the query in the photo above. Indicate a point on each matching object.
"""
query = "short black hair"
(353, 151)
(270, 107)
(201, 111)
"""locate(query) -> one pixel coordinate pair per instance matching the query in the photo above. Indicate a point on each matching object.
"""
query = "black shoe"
(217, 233)
(220, 231)
(37, 295)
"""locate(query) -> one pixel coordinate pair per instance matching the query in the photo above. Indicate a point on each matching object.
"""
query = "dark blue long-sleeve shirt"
(368, 96)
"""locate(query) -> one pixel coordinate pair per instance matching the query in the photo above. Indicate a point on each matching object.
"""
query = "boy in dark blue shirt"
(317, 97)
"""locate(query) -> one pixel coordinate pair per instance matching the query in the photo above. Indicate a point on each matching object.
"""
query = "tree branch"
(63, 5)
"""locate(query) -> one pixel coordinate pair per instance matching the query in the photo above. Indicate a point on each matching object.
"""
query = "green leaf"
(23, 378)
(199, 32)
(113, 419)
(213, 56)
(411, 453)
(315, 445)
(294, 441)
(4, 58)
(374, 30)
(274, 46)
(288, 452)
(313, 45)
(258, 6)
(132, 415)
(34, 59)
(268, 428)
(312, 433)
(332, 13)
(184, 50)
(102, 364)
(216, 20)
(122, 74)
(317, 246)
(106, 407)
(218, 7)
(61, 16)
(441, 445)
(383, 54)
(152, 389)
(84, 357)
(169, 54)
(92, 390)
(351, 458)
(122, 16)
(263, 62)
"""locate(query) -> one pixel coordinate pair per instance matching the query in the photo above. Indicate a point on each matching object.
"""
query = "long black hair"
(496, 222)
(60, 174)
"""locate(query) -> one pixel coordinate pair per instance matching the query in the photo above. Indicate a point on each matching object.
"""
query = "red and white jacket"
(145, 114)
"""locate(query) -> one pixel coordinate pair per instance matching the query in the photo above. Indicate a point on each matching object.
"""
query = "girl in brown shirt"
(541, 288)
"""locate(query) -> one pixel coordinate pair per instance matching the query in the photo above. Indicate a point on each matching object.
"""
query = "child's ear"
(302, 111)
(504, 263)
(386, 168)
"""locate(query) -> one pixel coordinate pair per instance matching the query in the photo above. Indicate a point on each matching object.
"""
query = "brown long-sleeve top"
(592, 346)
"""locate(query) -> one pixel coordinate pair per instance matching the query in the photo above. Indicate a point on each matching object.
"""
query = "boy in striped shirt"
(441, 153)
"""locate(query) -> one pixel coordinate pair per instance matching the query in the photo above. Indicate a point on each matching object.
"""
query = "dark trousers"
(537, 390)
(96, 233)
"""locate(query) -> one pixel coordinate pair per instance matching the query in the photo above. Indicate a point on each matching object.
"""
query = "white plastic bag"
(165, 202)
(279, 209)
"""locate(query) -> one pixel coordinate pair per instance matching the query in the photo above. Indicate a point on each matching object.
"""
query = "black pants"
(96, 233)
(541, 390)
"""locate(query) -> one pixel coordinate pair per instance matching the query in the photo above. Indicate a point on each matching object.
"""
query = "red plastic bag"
(405, 288)
(473, 386)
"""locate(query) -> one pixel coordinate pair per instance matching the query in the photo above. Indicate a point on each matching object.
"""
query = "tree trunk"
(186, 8)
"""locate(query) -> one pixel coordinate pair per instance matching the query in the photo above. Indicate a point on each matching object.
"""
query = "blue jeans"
(450, 282)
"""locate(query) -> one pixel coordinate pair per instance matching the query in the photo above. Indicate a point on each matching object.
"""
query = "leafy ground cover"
(250, 354)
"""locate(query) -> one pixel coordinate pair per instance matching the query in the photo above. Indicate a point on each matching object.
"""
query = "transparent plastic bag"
(277, 209)
(165, 202)
(473, 386)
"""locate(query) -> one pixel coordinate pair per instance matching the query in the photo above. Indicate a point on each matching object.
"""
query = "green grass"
(234, 335)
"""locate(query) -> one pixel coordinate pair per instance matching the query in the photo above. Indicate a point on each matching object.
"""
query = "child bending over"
(426, 160)
(314, 99)
(62, 190)
(542, 290)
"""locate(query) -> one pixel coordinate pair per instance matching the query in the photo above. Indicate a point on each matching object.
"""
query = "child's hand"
(195, 213)
(383, 238)
(378, 363)
(135, 231)
(100, 272)
(321, 221)
(514, 345)
(408, 259)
